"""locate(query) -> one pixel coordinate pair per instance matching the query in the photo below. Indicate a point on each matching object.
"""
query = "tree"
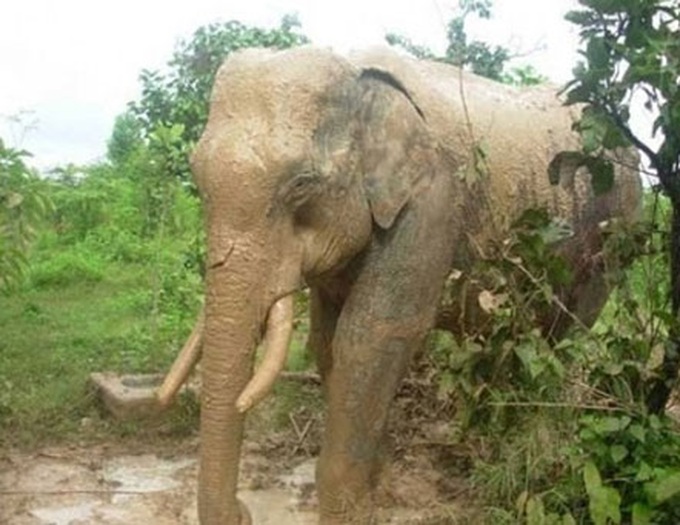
(483, 59)
(181, 97)
(22, 206)
(632, 47)
(126, 137)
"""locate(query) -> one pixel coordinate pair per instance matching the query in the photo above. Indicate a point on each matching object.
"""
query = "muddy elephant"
(368, 179)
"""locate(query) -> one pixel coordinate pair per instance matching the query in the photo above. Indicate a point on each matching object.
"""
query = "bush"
(67, 268)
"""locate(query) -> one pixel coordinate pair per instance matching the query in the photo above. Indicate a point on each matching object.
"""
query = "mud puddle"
(90, 487)
(95, 486)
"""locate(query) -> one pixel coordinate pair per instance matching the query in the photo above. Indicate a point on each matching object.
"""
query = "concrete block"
(129, 396)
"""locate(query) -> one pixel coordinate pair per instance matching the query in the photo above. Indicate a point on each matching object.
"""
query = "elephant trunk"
(230, 333)
(235, 310)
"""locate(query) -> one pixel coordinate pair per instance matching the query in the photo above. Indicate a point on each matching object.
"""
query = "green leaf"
(638, 432)
(604, 502)
(446, 385)
(579, 17)
(568, 519)
(602, 174)
(593, 128)
(604, 505)
(618, 453)
(642, 514)
(644, 472)
(610, 424)
(535, 512)
(591, 477)
(597, 53)
(530, 359)
(665, 486)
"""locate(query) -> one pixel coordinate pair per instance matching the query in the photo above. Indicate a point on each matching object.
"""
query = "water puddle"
(72, 515)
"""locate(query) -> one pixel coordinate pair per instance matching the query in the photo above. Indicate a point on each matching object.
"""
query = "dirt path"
(153, 481)
(102, 486)
(111, 485)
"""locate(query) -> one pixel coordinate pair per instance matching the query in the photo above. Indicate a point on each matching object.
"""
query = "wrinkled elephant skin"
(350, 175)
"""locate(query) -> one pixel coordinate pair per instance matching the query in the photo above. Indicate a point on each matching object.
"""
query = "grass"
(80, 313)
(55, 335)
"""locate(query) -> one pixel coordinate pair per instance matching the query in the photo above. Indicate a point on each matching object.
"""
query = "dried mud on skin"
(119, 484)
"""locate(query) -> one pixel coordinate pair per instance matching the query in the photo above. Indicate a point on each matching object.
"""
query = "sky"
(68, 67)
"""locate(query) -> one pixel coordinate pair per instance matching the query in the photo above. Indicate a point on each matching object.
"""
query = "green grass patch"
(67, 268)
(53, 337)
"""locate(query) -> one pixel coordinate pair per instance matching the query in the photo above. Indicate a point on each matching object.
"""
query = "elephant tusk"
(181, 368)
(277, 340)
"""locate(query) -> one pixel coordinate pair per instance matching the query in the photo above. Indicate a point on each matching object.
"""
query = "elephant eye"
(300, 189)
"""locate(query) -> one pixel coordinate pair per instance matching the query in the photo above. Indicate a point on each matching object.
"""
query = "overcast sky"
(74, 64)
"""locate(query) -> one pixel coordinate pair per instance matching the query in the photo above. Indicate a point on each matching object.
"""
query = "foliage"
(578, 443)
(629, 458)
(632, 47)
(514, 283)
(623, 452)
(69, 267)
(630, 467)
(125, 139)
(22, 206)
(482, 58)
(178, 100)
(510, 380)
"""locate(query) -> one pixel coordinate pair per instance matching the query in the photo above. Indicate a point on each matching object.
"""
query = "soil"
(147, 482)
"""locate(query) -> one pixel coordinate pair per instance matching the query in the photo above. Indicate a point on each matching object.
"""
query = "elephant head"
(354, 177)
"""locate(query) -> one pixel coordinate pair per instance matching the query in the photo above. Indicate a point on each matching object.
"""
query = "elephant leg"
(323, 318)
(385, 318)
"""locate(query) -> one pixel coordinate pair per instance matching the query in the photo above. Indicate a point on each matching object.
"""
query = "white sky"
(75, 63)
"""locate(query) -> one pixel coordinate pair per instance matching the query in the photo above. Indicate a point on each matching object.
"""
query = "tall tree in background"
(480, 57)
(633, 47)
(125, 138)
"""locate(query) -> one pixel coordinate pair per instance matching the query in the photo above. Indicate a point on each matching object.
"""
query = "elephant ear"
(397, 148)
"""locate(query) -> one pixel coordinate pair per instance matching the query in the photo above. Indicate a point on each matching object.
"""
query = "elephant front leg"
(384, 320)
(361, 386)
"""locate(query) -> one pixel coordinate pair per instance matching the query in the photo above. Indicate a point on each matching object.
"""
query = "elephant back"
(498, 142)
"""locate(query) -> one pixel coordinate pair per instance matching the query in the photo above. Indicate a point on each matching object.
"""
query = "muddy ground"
(143, 482)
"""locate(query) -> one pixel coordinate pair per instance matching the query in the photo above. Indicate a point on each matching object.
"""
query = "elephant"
(369, 178)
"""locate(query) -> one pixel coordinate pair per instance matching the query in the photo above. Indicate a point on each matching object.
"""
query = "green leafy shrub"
(630, 466)
(509, 361)
(68, 267)
(578, 444)
(23, 204)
